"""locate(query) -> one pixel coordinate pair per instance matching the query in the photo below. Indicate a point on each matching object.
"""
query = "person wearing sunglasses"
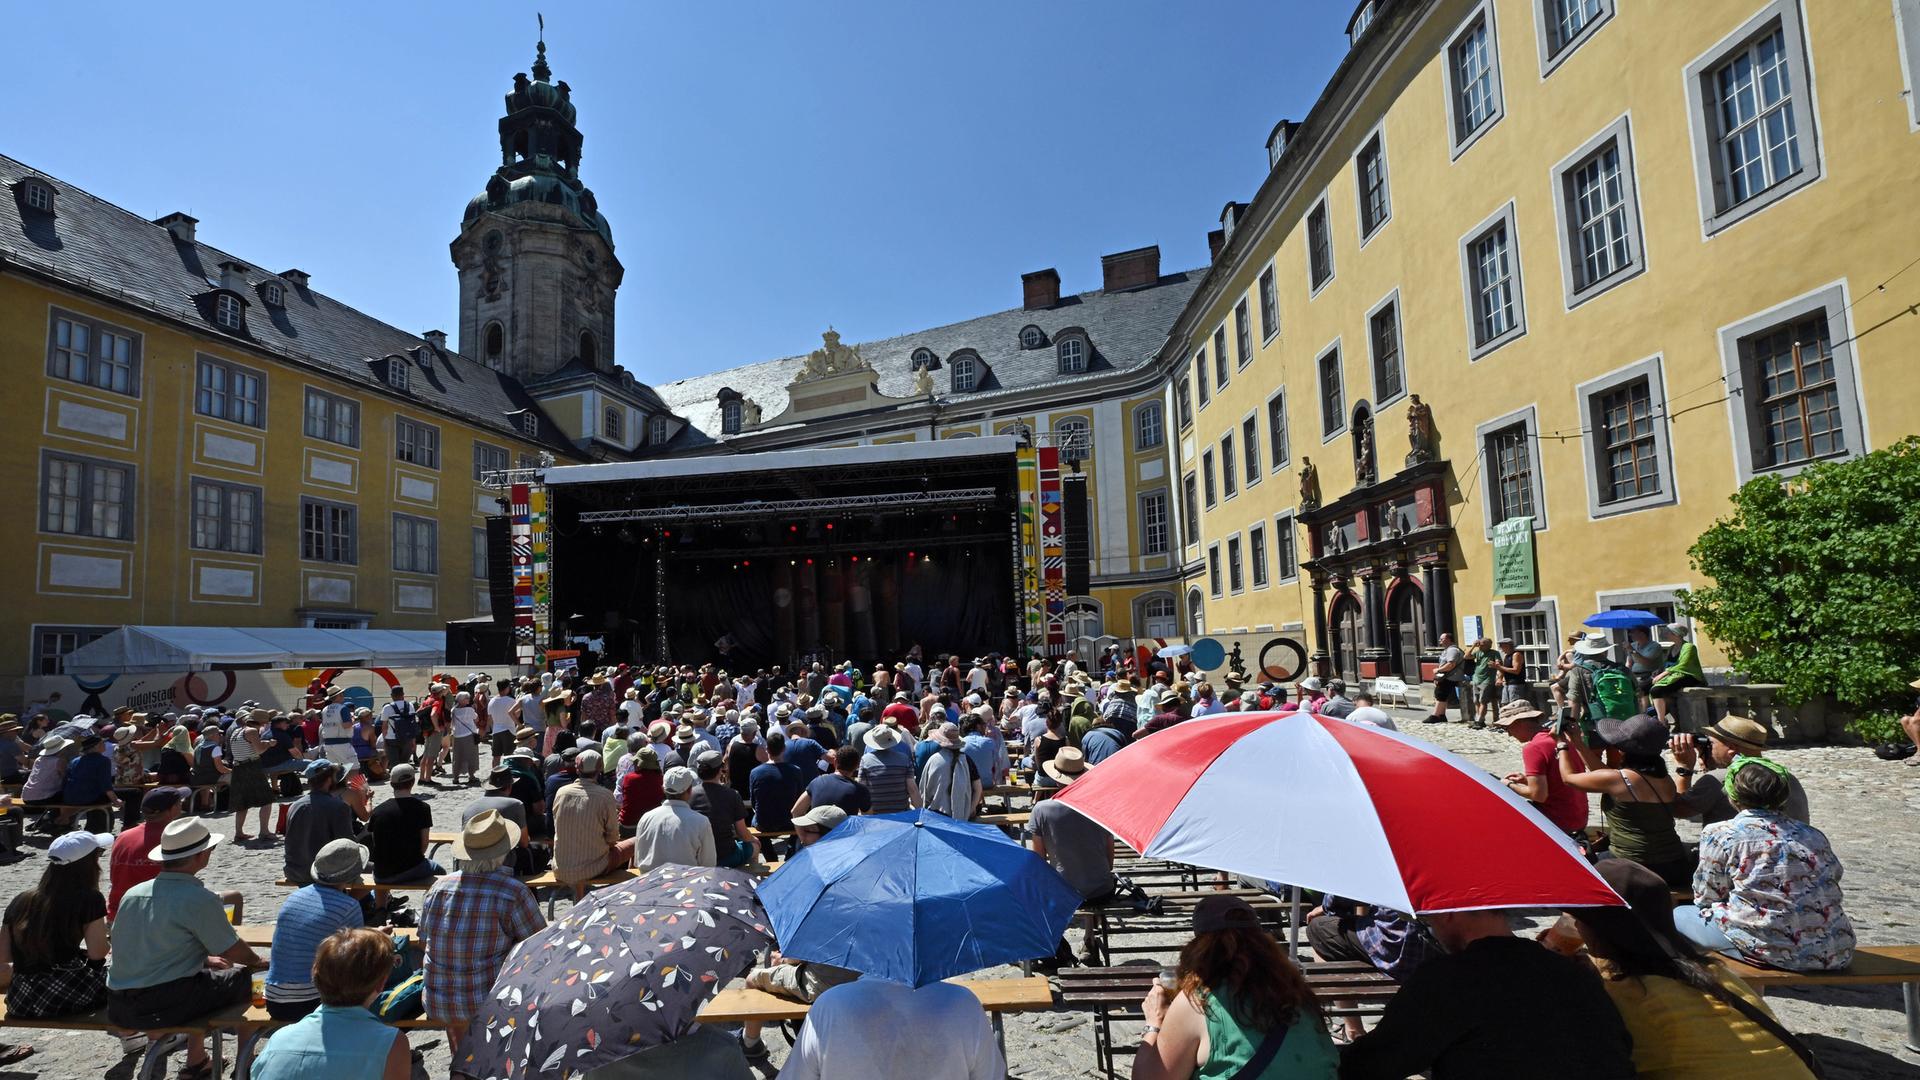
(1768, 886)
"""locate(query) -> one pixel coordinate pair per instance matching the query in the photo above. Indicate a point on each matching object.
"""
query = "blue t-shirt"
(805, 754)
(309, 916)
(1101, 743)
(834, 789)
(922, 753)
(980, 750)
(89, 778)
(774, 786)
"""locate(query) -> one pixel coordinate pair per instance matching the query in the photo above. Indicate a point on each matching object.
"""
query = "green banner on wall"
(1513, 558)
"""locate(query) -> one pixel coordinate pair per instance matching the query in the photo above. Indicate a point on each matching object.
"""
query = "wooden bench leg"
(1000, 1037)
(1910, 995)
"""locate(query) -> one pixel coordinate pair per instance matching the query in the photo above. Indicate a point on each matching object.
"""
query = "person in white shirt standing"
(503, 715)
(532, 713)
(336, 729)
(855, 1029)
(466, 738)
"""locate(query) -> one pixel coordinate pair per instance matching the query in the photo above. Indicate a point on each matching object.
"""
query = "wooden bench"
(153, 1065)
(554, 886)
(738, 1004)
(357, 887)
(1872, 966)
(1014, 822)
(1114, 994)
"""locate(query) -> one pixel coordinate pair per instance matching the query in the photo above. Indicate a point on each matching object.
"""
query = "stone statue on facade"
(1420, 435)
(923, 383)
(1309, 484)
(1363, 458)
(749, 411)
(832, 358)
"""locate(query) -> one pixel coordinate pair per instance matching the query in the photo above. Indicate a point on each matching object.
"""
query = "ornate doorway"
(1348, 637)
(1407, 617)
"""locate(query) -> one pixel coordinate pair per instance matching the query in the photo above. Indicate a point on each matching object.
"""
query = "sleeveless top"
(240, 751)
(1642, 830)
(1308, 1053)
(332, 1041)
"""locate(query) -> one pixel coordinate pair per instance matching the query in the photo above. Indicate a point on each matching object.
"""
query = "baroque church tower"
(535, 256)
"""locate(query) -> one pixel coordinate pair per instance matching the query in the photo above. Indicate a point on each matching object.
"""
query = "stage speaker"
(1079, 546)
(500, 569)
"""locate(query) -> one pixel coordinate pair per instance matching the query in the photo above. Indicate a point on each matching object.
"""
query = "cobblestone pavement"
(1868, 808)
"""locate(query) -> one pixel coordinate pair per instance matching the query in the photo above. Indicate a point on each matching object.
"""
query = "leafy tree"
(1816, 579)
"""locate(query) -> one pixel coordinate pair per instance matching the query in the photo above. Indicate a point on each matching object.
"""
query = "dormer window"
(37, 196)
(657, 431)
(613, 423)
(1073, 356)
(227, 312)
(273, 294)
(530, 424)
(397, 373)
(1362, 18)
(924, 360)
(1032, 337)
(731, 415)
(966, 374)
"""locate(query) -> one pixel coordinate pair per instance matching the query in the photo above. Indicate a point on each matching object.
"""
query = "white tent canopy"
(211, 648)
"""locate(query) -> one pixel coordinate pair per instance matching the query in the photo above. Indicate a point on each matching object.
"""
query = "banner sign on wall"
(1053, 550)
(520, 515)
(1513, 558)
(1029, 465)
(542, 574)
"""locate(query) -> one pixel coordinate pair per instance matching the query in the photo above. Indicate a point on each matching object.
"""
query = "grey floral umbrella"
(627, 968)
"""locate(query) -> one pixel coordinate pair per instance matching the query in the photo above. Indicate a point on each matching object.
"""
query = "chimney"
(1216, 240)
(233, 276)
(437, 339)
(179, 224)
(298, 278)
(1041, 289)
(1130, 269)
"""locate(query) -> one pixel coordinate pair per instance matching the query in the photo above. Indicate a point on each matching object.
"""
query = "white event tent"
(214, 648)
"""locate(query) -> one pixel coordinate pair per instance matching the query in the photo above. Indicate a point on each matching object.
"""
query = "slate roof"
(104, 248)
(1126, 328)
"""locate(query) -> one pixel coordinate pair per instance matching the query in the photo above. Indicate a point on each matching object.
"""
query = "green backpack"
(1614, 697)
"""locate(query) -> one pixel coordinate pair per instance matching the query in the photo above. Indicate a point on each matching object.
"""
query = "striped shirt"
(308, 917)
(886, 772)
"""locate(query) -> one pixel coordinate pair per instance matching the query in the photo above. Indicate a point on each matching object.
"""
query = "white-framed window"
(488, 458)
(1229, 475)
(1475, 102)
(1222, 367)
(226, 517)
(1755, 135)
(1286, 562)
(39, 196)
(1190, 509)
(1511, 465)
(1242, 334)
(51, 644)
(1236, 572)
(227, 391)
(1599, 214)
(613, 421)
(86, 496)
(1906, 26)
(530, 424)
(1073, 355)
(1534, 626)
(1384, 348)
(1277, 448)
(228, 311)
(1154, 534)
(1149, 426)
(1370, 172)
(93, 353)
(1319, 247)
(1215, 587)
(1159, 616)
(1490, 270)
(416, 544)
(480, 557)
(732, 414)
(1257, 555)
(1074, 436)
(1362, 18)
(966, 374)
(1206, 476)
(1032, 337)
(332, 418)
(1085, 618)
(1563, 25)
(1628, 465)
(1333, 395)
(1793, 388)
(1200, 377)
(1250, 448)
(1196, 613)
(397, 373)
(1269, 305)
(1183, 401)
(273, 294)
(922, 360)
(416, 443)
(659, 430)
(329, 532)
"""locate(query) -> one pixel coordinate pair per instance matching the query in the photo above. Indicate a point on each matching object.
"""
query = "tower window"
(589, 349)
(226, 311)
(730, 416)
(494, 344)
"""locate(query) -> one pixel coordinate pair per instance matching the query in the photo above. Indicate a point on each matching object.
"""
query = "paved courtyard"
(1868, 808)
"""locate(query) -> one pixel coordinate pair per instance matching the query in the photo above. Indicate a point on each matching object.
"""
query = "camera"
(1703, 746)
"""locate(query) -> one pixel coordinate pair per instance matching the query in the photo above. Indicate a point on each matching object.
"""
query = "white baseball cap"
(74, 846)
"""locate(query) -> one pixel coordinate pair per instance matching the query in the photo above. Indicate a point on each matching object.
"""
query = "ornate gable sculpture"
(832, 358)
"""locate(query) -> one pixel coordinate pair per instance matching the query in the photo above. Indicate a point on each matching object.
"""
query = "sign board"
(1472, 629)
(1513, 558)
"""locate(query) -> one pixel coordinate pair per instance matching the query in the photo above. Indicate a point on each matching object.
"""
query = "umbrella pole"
(1293, 923)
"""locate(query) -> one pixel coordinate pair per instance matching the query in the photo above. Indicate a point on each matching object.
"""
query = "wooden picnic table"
(260, 936)
(738, 1004)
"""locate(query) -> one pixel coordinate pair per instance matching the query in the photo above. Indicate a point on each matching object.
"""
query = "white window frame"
(413, 537)
(1038, 338)
(1553, 51)
(529, 424)
(348, 538)
(1073, 435)
(1587, 397)
(1222, 365)
(965, 374)
(1906, 29)
(1257, 575)
(1572, 265)
(1149, 426)
(1279, 452)
(414, 440)
(1338, 416)
(229, 311)
(484, 462)
(613, 421)
(1080, 362)
(1216, 574)
(227, 396)
(1502, 218)
(88, 503)
(1242, 334)
(1287, 570)
(1144, 616)
(1146, 502)
(45, 662)
(1230, 472)
(38, 196)
(333, 408)
(1319, 210)
(1209, 478)
(1269, 289)
(397, 373)
(1236, 564)
(659, 431)
(1252, 465)
(1548, 606)
(67, 357)
(1527, 419)
(1741, 403)
(1460, 138)
(1376, 141)
(223, 521)
(1703, 114)
(273, 294)
(1381, 399)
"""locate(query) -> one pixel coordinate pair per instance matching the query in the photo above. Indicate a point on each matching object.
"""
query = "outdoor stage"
(785, 557)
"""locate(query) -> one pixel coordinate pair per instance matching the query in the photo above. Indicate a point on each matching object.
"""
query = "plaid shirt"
(470, 923)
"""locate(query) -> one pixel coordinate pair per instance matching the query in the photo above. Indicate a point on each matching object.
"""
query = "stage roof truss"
(984, 497)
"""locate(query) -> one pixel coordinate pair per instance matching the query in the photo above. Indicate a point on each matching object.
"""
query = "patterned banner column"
(520, 513)
(537, 519)
(1030, 611)
(1053, 550)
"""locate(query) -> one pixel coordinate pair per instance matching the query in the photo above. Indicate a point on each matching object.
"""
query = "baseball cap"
(401, 775)
(823, 817)
(320, 765)
(159, 800)
(75, 846)
(1223, 913)
(679, 780)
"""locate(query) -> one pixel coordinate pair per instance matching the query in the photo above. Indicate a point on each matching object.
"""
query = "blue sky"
(768, 168)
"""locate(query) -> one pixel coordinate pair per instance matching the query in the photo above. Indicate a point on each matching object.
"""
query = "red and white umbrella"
(1355, 810)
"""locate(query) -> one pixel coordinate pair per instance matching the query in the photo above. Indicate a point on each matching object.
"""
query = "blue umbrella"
(917, 897)
(1624, 619)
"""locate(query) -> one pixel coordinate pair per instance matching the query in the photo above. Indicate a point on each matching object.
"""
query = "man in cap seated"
(733, 843)
(307, 916)
(586, 828)
(470, 922)
(316, 818)
(398, 831)
(128, 864)
(674, 832)
(176, 958)
(796, 980)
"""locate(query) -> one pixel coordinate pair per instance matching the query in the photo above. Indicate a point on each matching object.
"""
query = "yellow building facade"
(1628, 255)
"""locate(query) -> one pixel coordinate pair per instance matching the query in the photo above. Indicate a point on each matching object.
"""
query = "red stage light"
(829, 526)
(793, 528)
(809, 562)
(909, 554)
(746, 562)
